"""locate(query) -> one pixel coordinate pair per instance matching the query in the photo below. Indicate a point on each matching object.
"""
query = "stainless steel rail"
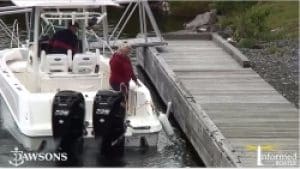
(8, 10)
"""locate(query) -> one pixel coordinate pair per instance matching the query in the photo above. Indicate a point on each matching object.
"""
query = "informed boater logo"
(267, 155)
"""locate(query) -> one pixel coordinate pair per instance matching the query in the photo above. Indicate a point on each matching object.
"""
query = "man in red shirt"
(121, 69)
(65, 39)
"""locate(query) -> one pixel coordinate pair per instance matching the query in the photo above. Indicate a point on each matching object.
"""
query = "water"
(177, 153)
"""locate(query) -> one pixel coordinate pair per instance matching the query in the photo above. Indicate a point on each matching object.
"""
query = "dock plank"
(240, 99)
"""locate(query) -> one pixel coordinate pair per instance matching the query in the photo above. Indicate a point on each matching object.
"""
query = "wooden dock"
(134, 42)
(225, 108)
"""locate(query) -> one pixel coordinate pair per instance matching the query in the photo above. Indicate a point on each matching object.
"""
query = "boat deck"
(225, 109)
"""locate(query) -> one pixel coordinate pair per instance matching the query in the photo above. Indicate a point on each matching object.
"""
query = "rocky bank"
(278, 63)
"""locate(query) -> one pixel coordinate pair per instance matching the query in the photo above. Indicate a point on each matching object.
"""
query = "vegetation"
(247, 43)
(259, 21)
(189, 9)
(285, 18)
(231, 7)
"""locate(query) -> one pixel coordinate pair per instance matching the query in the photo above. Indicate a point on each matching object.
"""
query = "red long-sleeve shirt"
(121, 69)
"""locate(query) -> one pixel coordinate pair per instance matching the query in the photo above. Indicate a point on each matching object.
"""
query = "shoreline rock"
(202, 21)
(278, 64)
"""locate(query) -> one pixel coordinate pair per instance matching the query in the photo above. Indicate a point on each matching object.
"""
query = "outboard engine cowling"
(68, 111)
(109, 122)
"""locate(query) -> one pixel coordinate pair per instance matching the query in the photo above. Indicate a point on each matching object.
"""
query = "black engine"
(109, 122)
(68, 121)
(68, 128)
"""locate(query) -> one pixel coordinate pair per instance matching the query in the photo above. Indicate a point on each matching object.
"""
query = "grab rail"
(12, 34)
(15, 34)
(5, 28)
(48, 16)
(8, 10)
(104, 43)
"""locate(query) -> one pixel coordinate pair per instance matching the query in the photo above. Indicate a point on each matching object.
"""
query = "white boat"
(30, 78)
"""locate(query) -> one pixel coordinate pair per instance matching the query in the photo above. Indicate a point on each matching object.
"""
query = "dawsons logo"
(20, 157)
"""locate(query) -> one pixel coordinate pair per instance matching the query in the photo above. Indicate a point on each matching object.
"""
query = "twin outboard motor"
(109, 122)
(68, 112)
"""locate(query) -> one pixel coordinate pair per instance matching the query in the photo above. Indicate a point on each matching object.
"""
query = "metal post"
(145, 23)
(84, 40)
(17, 33)
(121, 19)
(126, 21)
(152, 20)
(35, 45)
(105, 24)
(31, 24)
(27, 24)
(141, 18)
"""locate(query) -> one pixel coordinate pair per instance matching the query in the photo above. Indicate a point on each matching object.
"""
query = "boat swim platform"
(225, 109)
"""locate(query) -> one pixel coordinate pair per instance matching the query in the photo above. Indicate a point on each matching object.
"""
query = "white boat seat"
(84, 63)
(56, 63)
(44, 60)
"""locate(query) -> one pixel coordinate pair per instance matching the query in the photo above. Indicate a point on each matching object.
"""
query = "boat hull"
(29, 113)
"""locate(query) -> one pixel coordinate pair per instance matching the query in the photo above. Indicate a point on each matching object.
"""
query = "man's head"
(73, 27)
(125, 48)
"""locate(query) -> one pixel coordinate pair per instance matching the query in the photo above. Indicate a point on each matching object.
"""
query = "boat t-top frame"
(59, 16)
(48, 16)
